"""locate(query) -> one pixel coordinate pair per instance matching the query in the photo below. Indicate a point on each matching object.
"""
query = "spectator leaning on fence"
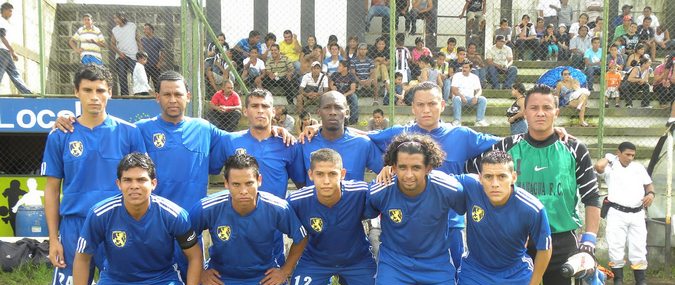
(154, 47)
(125, 43)
(88, 41)
(7, 55)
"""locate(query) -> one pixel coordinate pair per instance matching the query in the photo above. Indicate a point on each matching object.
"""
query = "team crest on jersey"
(119, 238)
(76, 148)
(477, 213)
(159, 139)
(396, 215)
(317, 224)
(224, 233)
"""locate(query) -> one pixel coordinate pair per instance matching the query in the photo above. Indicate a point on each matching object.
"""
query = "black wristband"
(651, 192)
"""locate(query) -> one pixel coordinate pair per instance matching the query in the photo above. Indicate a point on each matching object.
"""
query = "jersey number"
(69, 281)
(307, 280)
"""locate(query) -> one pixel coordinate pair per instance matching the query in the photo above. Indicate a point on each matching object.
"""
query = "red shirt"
(219, 99)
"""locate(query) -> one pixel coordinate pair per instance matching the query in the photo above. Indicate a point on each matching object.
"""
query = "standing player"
(133, 228)
(243, 226)
(558, 173)
(503, 217)
(332, 210)
(84, 161)
(629, 191)
(357, 151)
(414, 210)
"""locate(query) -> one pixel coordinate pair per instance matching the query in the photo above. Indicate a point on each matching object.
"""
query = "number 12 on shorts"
(305, 281)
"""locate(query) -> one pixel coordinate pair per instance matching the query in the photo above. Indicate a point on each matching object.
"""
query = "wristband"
(651, 192)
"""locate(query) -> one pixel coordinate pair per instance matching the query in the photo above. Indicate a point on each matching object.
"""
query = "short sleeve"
(197, 218)
(137, 143)
(92, 234)
(181, 224)
(540, 230)
(289, 224)
(384, 137)
(296, 167)
(375, 160)
(372, 208)
(220, 145)
(303, 83)
(646, 180)
(76, 36)
(52, 159)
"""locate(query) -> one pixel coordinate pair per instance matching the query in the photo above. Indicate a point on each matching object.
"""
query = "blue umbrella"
(550, 78)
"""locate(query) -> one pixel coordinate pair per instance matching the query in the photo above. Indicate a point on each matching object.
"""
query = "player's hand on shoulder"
(56, 253)
(211, 277)
(286, 135)
(562, 133)
(385, 176)
(274, 276)
(308, 133)
(64, 124)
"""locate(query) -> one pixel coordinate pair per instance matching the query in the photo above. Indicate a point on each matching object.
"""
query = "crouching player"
(501, 218)
(134, 228)
(331, 210)
(243, 224)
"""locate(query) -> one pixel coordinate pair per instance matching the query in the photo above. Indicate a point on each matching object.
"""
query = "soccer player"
(133, 228)
(357, 151)
(331, 210)
(558, 173)
(243, 225)
(503, 217)
(414, 210)
(85, 162)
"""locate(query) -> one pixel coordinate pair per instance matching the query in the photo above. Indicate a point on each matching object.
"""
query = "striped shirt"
(85, 37)
(362, 67)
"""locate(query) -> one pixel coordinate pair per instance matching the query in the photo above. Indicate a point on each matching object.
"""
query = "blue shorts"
(90, 59)
(310, 273)
(69, 231)
(470, 274)
(399, 269)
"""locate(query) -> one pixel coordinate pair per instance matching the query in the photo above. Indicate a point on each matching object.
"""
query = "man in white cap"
(313, 84)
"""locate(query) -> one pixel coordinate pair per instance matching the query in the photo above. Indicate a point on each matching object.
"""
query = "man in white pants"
(630, 190)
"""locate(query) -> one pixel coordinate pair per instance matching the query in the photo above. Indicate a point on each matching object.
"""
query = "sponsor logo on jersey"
(477, 213)
(317, 224)
(192, 236)
(76, 148)
(537, 168)
(119, 238)
(224, 233)
(159, 139)
(396, 215)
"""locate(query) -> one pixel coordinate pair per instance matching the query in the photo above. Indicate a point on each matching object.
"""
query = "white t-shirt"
(254, 70)
(4, 24)
(574, 28)
(625, 185)
(592, 15)
(126, 39)
(655, 21)
(140, 79)
(307, 80)
(467, 85)
(499, 56)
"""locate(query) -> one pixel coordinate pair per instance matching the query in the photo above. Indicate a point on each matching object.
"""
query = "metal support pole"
(41, 35)
(195, 62)
(603, 71)
(392, 61)
(669, 191)
(184, 12)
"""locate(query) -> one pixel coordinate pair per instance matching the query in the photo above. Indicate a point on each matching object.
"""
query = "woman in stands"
(634, 58)
(417, 53)
(637, 83)
(570, 93)
(664, 77)
(515, 114)
(527, 37)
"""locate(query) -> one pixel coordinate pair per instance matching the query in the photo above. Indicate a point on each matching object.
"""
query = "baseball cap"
(624, 7)
(562, 25)
(316, 63)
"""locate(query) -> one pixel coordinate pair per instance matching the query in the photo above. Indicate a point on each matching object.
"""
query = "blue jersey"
(243, 246)
(416, 227)
(336, 235)
(136, 251)
(277, 161)
(496, 236)
(357, 153)
(181, 152)
(86, 160)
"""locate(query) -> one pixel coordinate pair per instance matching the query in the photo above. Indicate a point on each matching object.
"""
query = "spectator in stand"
(243, 47)
(614, 58)
(548, 9)
(417, 52)
(466, 90)
(313, 84)
(291, 49)
(664, 76)
(563, 42)
(445, 72)
(475, 13)
(428, 73)
(330, 65)
(450, 50)
(225, 107)
(400, 92)
(283, 119)
(631, 39)
(279, 73)
(217, 71)
(378, 121)
(637, 83)
(311, 45)
(613, 79)
(254, 69)
(125, 43)
(515, 114)
(593, 10)
(592, 61)
(154, 47)
(625, 11)
(345, 82)
(621, 30)
(211, 48)
(352, 47)
(570, 93)
(565, 13)
(402, 7)
(634, 58)
(363, 67)
(621, 47)
(403, 58)
(647, 12)
(306, 61)
(140, 78)
(662, 38)
(305, 120)
(378, 8)
(527, 37)
(500, 61)
(332, 39)
(574, 28)
(578, 46)
(478, 63)
(421, 9)
(551, 42)
(597, 30)
(540, 30)
(265, 53)
(505, 31)
(88, 41)
(646, 34)
(380, 54)
(455, 66)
